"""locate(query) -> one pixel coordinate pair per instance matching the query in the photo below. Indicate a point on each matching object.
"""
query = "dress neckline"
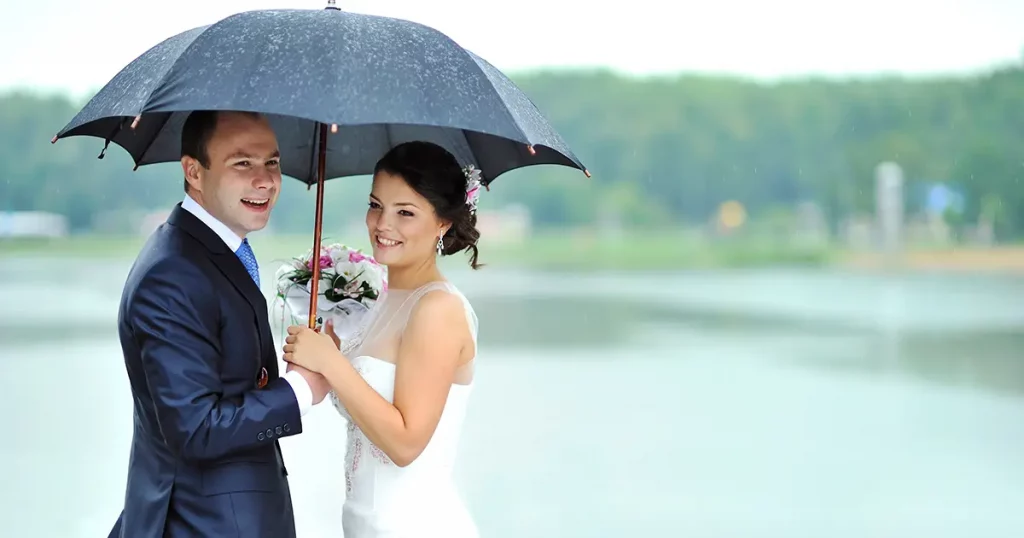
(418, 288)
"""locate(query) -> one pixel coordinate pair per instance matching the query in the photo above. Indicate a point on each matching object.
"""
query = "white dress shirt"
(303, 394)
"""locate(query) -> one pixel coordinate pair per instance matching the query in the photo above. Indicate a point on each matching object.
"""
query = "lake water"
(768, 403)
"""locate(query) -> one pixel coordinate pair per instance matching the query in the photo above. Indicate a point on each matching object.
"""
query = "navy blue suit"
(194, 329)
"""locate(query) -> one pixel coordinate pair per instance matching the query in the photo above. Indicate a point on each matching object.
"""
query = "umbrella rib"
(505, 109)
(170, 69)
(156, 134)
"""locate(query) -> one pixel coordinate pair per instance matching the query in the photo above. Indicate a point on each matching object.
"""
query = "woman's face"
(403, 226)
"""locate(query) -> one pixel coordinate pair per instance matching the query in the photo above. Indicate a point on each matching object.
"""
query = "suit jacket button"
(260, 436)
(277, 430)
(270, 433)
(287, 428)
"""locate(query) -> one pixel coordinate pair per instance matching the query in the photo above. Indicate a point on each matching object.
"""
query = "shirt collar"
(230, 238)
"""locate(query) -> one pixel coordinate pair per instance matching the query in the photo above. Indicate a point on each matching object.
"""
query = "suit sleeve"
(175, 316)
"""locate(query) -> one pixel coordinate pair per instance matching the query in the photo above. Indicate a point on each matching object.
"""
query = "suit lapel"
(233, 269)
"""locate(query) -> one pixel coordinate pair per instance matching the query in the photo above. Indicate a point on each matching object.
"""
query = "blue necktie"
(245, 254)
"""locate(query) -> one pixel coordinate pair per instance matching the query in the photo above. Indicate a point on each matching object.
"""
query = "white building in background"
(889, 208)
(150, 221)
(32, 224)
(511, 224)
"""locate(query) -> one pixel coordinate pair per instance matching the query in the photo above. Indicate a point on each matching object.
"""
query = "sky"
(75, 47)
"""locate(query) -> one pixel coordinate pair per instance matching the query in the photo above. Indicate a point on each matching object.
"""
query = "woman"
(404, 383)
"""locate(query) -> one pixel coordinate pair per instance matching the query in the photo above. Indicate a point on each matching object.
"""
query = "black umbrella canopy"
(372, 82)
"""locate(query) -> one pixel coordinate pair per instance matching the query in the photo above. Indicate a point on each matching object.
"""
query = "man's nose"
(263, 178)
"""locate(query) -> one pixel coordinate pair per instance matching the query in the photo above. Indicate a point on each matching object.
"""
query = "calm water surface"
(700, 404)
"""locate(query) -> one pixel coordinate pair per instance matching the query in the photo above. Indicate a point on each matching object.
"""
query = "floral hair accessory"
(473, 184)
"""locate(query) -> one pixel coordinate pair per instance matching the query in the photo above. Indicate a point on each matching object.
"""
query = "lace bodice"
(383, 499)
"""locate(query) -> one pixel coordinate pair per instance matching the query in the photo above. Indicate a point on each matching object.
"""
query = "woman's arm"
(427, 360)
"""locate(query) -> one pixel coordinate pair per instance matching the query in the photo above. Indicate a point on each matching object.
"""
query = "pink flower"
(325, 262)
(355, 256)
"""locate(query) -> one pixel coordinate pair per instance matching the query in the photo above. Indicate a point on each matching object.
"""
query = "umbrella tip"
(54, 139)
(586, 172)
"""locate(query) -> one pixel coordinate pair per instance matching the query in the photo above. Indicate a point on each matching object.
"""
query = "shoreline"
(568, 251)
(1003, 259)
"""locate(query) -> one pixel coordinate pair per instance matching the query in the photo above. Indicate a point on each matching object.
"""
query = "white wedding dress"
(421, 499)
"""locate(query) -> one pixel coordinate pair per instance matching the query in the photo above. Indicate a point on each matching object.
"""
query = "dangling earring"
(440, 245)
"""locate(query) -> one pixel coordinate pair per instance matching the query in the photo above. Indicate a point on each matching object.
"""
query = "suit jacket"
(195, 333)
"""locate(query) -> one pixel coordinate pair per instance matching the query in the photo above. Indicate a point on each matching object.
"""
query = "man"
(209, 403)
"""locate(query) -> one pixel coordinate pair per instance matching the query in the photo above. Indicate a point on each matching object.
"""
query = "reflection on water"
(757, 403)
(956, 330)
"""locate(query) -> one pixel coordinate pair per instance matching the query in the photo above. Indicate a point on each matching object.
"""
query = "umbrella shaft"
(321, 172)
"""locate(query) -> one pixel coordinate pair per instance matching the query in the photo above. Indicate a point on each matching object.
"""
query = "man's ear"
(190, 169)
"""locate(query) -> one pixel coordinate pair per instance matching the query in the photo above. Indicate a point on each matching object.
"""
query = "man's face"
(243, 181)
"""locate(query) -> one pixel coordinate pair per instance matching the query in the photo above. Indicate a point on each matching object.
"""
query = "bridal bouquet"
(350, 283)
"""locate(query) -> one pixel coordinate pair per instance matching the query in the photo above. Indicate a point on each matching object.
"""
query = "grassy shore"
(1006, 259)
(581, 252)
(567, 251)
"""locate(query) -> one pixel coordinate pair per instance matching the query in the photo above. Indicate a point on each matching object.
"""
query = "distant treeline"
(662, 150)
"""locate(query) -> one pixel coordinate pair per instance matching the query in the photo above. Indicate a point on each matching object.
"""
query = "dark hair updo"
(435, 174)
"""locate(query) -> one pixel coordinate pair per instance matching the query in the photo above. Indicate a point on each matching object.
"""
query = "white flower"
(372, 275)
(337, 252)
(346, 269)
(283, 277)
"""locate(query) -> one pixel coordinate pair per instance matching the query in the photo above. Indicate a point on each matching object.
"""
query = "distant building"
(32, 224)
(511, 224)
(150, 221)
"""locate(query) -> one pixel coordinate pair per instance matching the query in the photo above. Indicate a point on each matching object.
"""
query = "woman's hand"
(329, 331)
(309, 349)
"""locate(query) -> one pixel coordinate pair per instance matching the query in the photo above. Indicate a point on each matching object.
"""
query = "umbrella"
(340, 89)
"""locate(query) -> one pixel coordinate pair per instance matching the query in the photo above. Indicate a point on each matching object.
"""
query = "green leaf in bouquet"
(337, 283)
(301, 275)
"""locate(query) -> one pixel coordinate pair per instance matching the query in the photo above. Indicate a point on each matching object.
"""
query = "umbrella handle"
(321, 172)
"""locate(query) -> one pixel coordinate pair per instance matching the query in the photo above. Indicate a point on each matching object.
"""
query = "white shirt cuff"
(303, 394)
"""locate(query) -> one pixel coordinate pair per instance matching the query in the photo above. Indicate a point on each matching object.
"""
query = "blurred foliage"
(662, 150)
